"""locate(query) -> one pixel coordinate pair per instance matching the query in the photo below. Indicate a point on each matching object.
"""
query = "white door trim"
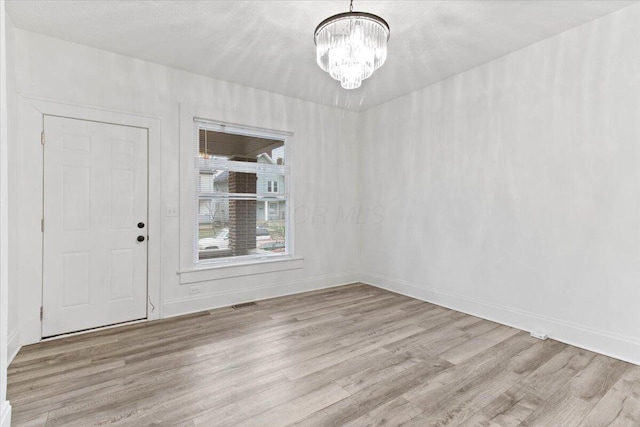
(33, 110)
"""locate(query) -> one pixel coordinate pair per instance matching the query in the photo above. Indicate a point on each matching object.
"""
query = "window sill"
(249, 268)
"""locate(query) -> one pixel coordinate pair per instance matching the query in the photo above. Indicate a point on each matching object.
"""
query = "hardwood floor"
(349, 356)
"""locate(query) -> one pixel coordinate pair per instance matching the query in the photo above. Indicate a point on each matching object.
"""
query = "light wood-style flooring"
(348, 356)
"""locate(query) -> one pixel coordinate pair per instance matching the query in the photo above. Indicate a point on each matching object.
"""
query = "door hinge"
(41, 313)
(42, 225)
(42, 137)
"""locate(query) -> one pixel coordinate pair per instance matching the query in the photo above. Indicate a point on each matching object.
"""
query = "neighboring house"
(211, 211)
(217, 212)
(273, 185)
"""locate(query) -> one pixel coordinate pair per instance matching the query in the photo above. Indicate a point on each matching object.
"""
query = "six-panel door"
(95, 225)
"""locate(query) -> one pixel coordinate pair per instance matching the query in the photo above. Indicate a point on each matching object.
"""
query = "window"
(241, 193)
(272, 186)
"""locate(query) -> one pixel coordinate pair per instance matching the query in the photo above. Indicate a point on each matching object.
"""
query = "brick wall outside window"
(242, 213)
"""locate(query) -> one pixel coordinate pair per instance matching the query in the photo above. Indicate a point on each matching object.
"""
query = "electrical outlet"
(195, 289)
(539, 335)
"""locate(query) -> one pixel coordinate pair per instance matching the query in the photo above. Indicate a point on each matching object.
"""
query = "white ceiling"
(269, 44)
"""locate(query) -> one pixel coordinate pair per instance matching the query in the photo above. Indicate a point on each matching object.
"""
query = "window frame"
(284, 170)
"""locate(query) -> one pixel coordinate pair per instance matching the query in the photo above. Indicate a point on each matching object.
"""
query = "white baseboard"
(180, 306)
(609, 344)
(5, 414)
(13, 345)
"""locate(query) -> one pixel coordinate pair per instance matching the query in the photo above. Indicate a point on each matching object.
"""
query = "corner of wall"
(13, 324)
(5, 406)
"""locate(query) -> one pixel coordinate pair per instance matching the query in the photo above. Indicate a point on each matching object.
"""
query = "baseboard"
(13, 345)
(5, 414)
(180, 306)
(603, 342)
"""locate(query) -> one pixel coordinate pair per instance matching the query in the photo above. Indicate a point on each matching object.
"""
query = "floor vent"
(243, 305)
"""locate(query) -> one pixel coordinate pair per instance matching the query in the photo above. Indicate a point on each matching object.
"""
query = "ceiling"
(269, 44)
(224, 144)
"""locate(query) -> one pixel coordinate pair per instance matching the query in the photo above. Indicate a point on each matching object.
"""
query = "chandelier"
(350, 46)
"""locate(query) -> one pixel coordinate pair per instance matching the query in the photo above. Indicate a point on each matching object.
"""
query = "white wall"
(13, 212)
(324, 145)
(512, 190)
(5, 406)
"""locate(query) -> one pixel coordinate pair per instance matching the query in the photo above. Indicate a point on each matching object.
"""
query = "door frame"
(31, 237)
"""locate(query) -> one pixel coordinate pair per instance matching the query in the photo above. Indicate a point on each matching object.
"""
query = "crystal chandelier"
(350, 46)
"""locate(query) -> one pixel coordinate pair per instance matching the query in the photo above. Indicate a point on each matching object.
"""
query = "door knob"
(141, 225)
(140, 238)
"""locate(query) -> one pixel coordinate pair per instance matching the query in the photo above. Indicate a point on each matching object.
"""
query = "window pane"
(218, 182)
(241, 148)
(233, 226)
(213, 181)
(241, 192)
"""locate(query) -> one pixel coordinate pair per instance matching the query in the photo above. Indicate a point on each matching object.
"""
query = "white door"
(95, 220)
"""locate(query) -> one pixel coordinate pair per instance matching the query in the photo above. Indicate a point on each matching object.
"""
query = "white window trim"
(241, 261)
(238, 269)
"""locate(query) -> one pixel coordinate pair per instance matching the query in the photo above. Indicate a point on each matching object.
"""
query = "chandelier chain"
(351, 6)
